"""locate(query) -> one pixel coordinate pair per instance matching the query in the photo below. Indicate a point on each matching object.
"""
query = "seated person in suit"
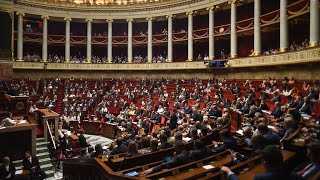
(145, 125)
(32, 163)
(307, 107)
(132, 149)
(7, 169)
(98, 151)
(82, 140)
(200, 151)
(271, 137)
(289, 127)
(307, 170)
(228, 142)
(273, 163)
(180, 157)
(66, 146)
(164, 142)
(120, 148)
(277, 112)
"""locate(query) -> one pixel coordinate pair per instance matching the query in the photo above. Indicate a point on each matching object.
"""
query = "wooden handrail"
(53, 142)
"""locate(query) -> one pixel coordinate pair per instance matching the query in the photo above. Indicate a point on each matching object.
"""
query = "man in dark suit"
(82, 140)
(66, 146)
(174, 120)
(32, 163)
(120, 147)
(307, 107)
(164, 142)
(7, 169)
(200, 151)
(272, 161)
(271, 137)
(308, 170)
(228, 142)
(181, 157)
(277, 112)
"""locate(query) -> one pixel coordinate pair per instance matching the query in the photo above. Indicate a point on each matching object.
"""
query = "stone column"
(190, 35)
(110, 21)
(170, 39)
(67, 48)
(233, 29)
(211, 32)
(45, 39)
(284, 42)
(130, 40)
(20, 37)
(257, 27)
(314, 23)
(89, 39)
(150, 19)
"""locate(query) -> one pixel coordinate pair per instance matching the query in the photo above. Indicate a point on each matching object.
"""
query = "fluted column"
(190, 35)
(314, 23)
(284, 42)
(150, 19)
(89, 39)
(233, 27)
(130, 40)
(110, 21)
(67, 45)
(170, 39)
(257, 28)
(45, 38)
(211, 32)
(20, 37)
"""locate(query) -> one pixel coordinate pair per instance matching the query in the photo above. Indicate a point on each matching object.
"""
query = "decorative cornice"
(20, 13)
(109, 20)
(89, 19)
(304, 56)
(233, 1)
(129, 20)
(67, 19)
(213, 8)
(150, 18)
(190, 13)
(45, 17)
(170, 16)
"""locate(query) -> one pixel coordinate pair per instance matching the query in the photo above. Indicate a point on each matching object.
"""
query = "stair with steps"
(44, 159)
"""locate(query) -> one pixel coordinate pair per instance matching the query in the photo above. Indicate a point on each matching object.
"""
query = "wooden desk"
(45, 115)
(14, 140)
(249, 175)
(201, 170)
(108, 130)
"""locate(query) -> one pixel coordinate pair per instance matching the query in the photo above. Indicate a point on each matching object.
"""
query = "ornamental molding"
(304, 56)
(299, 57)
(118, 12)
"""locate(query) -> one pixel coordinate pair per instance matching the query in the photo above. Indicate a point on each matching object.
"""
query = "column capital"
(213, 8)
(89, 19)
(109, 20)
(149, 18)
(67, 19)
(233, 1)
(45, 17)
(129, 20)
(170, 16)
(20, 13)
(190, 12)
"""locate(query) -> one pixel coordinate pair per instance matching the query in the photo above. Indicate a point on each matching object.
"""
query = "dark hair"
(145, 142)
(163, 138)
(179, 146)
(272, 157)
(314, 149)
(198, 144)
(178, 136)
(119, 141)
(262, 128)
(258, 141)
(224, 133)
